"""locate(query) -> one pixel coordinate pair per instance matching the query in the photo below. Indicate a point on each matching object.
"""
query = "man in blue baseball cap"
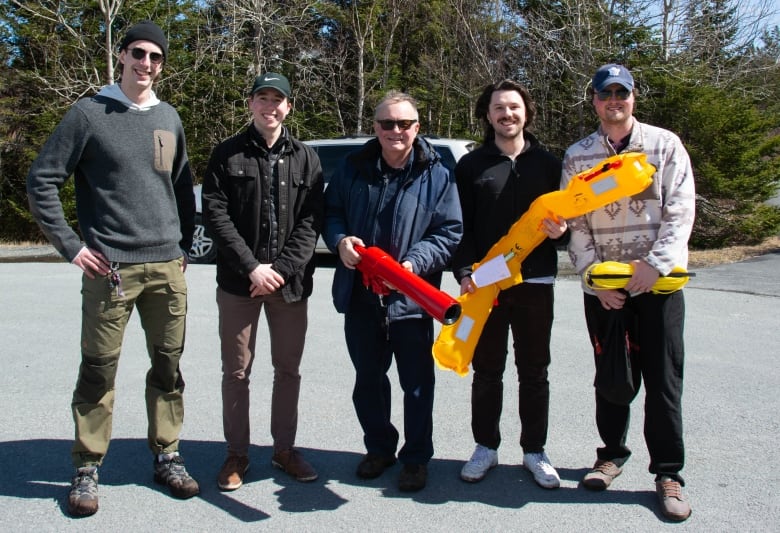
(610, 74)
(649, 230)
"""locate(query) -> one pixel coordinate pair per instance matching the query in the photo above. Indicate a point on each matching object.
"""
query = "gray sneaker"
(170, 471)
(544, 473)
(83, 497)
(482, 460)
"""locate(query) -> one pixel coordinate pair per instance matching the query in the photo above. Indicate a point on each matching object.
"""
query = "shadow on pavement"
(40, 469)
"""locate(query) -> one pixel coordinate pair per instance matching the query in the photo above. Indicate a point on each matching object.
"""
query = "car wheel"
(203, 249)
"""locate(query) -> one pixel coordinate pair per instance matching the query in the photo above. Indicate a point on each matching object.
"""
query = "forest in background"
(709, 70)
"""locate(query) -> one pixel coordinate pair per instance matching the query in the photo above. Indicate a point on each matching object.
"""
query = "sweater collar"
(115, 93)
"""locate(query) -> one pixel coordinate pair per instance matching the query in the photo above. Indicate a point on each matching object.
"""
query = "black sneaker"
(412, 478)
(83, 497)
(171, 472)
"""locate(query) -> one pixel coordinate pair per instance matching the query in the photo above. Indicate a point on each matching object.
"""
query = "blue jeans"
(372, 342)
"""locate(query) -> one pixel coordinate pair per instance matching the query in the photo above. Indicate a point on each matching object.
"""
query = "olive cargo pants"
(159, 291)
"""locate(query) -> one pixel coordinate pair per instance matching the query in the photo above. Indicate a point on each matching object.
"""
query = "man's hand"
(466, 285)
(406, 265)
(643, 278)
(347, 253)
(92, 262)
(611, 299)
(264, 280)
(554, 229)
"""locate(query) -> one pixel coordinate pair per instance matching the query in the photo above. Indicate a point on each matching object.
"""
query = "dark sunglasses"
(620, 94)
(140, 53)
(389, 125)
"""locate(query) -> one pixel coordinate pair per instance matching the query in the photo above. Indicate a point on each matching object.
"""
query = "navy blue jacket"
(426, 227)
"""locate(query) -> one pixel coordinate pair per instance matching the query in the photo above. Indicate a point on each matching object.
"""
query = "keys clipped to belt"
(115, 280)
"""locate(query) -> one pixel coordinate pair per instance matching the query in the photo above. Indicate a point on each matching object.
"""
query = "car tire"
(204, 249)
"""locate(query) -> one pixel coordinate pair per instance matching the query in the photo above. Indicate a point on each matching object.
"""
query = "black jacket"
(236, 203)
(494, 193)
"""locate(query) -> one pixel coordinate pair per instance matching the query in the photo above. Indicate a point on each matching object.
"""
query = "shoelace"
(605, 467)
(85, 483)
(672, 489)
(175, 468)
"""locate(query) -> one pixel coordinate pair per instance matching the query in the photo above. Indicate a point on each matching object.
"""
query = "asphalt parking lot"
(730, 411)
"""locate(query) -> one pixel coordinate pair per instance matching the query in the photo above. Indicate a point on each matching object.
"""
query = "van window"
(331, 158)
(447, 159)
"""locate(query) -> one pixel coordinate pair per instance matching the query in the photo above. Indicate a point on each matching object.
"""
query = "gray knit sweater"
(134, 195)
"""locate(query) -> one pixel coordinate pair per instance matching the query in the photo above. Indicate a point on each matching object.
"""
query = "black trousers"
(657, 332)
(528, 310)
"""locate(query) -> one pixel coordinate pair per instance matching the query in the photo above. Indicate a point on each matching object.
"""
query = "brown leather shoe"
(372, 465)
(412, 478)
(601, 475)
(674, 505)
(292, 462)
(231, 475)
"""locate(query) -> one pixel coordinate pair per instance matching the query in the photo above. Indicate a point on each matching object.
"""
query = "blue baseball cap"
(606, 75)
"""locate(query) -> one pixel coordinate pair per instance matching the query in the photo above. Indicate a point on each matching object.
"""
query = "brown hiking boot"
(83, 496)
(231, 475)
(292, 462)
(170, 471)
(674, 505)
(601, 475)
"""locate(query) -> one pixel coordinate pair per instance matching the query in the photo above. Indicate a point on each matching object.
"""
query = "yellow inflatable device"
(614, 178)
(615, 275)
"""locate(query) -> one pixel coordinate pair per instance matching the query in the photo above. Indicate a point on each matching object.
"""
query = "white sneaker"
(482, 460)
(544, 473)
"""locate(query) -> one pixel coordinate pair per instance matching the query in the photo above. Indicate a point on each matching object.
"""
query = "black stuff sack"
(614, 373)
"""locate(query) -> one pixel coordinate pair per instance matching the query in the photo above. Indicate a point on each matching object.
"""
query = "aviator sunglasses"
(389, 125)
(140, 53)
(620, 94)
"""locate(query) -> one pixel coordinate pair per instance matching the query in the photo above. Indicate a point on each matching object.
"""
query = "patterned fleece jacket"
(653, 225)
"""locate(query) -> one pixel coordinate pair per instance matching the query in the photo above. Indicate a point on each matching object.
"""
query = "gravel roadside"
(28, 253)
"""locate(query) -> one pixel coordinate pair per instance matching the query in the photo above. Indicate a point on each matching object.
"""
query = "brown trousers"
(238, 326)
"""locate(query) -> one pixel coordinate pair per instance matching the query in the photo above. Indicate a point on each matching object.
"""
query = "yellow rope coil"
(615, 275)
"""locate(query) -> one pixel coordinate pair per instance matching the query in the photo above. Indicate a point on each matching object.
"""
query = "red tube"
(378, 267)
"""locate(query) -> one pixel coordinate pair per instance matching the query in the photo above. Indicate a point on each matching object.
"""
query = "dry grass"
(732, 254)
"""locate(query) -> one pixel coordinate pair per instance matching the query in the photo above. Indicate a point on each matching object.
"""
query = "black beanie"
(146, 30)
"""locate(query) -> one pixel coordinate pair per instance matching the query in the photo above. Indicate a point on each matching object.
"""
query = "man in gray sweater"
(135, 205)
